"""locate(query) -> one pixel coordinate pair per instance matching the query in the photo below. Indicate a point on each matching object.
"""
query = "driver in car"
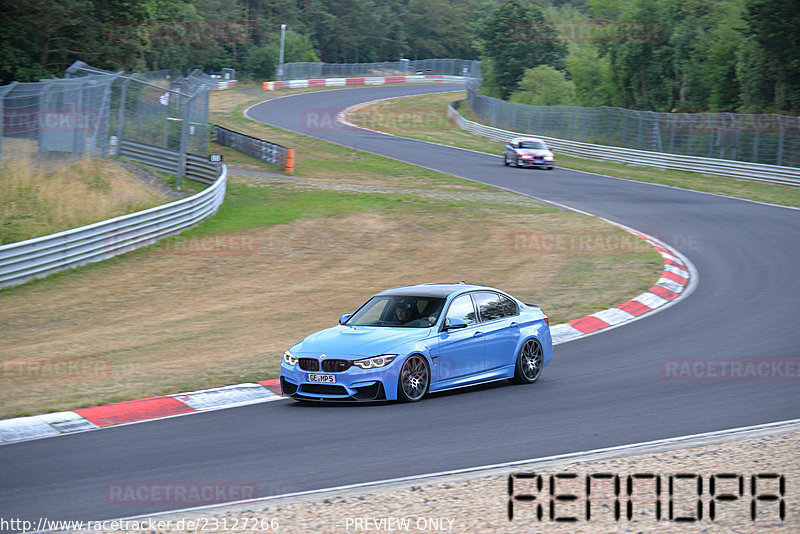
(404, 313)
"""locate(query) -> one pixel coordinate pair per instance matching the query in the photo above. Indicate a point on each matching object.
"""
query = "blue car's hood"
(357, 341)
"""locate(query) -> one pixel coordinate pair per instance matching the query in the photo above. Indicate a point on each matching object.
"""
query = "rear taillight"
(547, 320)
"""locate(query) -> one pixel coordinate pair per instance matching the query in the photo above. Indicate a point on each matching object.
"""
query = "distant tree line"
(683, 55)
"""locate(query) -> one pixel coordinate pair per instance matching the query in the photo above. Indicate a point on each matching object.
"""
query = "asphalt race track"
(600, 391)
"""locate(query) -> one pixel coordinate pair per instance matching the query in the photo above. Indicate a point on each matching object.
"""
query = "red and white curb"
(364, 80)
(674, 280)
(134, 411)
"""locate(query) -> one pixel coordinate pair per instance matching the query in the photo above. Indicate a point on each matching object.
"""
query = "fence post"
(3, 92)
(181, 170)
(121, 114)
(780, 141)
(76, 139)
(102, 126)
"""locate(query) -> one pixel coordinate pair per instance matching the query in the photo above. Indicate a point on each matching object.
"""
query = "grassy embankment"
(36, 202)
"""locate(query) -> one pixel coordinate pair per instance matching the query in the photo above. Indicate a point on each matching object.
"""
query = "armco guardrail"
(272, 153)
(39, 257)
(197, 168)
(736, 169)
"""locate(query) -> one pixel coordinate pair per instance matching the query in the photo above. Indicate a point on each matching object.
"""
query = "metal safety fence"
(771, 139)
(90, 110)
(735, 169)
(451, 67)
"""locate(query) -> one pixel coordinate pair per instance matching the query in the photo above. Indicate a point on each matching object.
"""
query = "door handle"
(477, 334)
(514, 324)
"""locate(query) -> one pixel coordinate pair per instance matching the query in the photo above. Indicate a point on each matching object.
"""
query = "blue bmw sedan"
(407, 341)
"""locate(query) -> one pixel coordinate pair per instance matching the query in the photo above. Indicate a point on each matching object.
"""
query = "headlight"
(289, 358)
(377, 361)
(548, 158)
(525, 156)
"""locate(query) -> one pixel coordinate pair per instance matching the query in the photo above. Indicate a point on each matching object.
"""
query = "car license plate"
(325, 379)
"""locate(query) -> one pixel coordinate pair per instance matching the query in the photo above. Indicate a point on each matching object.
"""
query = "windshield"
(398, 311)
(535, 145)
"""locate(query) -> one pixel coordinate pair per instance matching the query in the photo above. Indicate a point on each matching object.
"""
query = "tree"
(515, 37)
(298, 48)
(591, 75)
(544, 86)
(774, 25)
(642, 52)
(40, 38)
(438, 29)
(262, 60)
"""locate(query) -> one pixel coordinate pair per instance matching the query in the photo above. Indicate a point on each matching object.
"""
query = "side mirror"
(343, 319)
(452, 323)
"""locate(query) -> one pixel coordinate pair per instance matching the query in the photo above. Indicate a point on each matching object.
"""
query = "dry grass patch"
(36, 202)
(167, 320)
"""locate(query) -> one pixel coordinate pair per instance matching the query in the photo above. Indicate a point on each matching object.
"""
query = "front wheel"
(529, 363)
(414, 379)
(505, 160)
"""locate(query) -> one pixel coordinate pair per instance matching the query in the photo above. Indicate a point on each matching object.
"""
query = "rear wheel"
(530, 362)
(414, 379)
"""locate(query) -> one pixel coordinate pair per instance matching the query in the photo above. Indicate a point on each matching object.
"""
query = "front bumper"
(536, 163)
(351, 385)
(332, 392)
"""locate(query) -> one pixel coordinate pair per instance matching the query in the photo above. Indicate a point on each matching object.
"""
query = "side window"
(461, 308)
(509, 306)
(489, 306)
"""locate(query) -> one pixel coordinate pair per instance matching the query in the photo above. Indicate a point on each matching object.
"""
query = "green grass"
(392, 116)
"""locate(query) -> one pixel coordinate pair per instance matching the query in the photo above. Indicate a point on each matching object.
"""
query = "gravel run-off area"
(478, 501)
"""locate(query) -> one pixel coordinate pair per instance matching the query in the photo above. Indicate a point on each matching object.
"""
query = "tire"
(519, 165)
(530, 362)
(549, 168)
(414, 379)
(505, 160)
